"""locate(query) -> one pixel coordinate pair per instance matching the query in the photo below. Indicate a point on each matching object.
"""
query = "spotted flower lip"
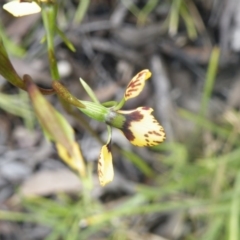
(141, 128)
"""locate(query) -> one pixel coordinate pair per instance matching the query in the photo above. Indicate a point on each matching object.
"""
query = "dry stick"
(164, 106)
(191, 62)
(120, 12)
(116, 50)
(139, 37)
(225, 28)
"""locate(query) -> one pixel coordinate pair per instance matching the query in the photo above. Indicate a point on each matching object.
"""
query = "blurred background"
(186, 188)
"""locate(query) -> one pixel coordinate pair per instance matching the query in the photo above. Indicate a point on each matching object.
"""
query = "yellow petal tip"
(137, 84)
(105, 166)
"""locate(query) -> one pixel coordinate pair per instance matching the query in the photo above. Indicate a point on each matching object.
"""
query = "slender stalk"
(49, 13)
(66, 95)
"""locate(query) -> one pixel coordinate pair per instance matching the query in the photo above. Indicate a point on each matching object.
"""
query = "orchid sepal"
(89, 91)
(105, 165)
(137, 84)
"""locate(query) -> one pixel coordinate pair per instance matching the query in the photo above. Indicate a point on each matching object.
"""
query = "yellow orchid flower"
(138, 125)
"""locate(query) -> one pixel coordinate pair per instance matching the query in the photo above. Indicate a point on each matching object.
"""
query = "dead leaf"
(50, 182)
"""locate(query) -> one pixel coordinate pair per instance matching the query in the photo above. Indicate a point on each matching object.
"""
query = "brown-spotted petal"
(141, 128)
(105, 166)
(136, 85)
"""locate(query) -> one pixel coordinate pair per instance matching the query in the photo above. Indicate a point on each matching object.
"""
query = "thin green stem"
(66, 95)
(49, 12)
(120, 104)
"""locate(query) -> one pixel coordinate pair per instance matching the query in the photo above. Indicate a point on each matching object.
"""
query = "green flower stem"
(49, 12)
(44, 91)
(109, 134)
(66, 95)
(109, 104)
(95, 111)
(120, 104)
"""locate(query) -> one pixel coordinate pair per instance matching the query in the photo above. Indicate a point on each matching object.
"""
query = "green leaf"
(66, 40)
(81, 11)
(89, 91)
(57, 129)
